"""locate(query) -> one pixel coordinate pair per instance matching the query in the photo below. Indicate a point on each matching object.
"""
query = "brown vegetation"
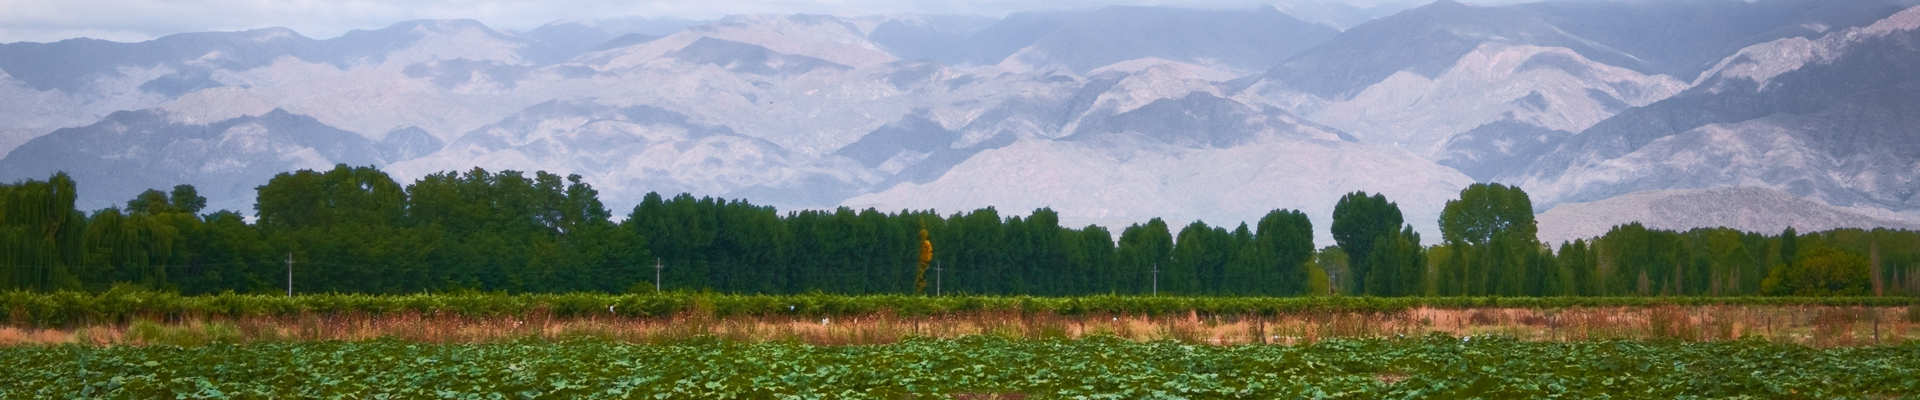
(1811, 325)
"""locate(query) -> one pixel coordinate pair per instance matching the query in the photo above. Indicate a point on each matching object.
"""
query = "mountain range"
(1110, 116)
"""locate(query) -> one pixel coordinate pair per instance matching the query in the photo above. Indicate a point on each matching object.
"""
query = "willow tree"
(130, 247)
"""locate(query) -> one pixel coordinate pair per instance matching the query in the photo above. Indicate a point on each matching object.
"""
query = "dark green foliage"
(1399, 265)
(355, 230)
(341, 197)
(187, 200)
(1358, 221)
(1284, 245)
(1494, 248)
(1143, 249)
(1822, 271)
(1644, 261)
(1789, 246)
(41, 235)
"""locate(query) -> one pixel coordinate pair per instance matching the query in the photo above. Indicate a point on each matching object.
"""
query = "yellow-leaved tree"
(926, 256)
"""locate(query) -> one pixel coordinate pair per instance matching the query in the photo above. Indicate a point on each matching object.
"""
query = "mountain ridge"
(1208, 114)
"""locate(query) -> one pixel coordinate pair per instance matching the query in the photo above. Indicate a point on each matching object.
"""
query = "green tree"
(1285, 244)
(1359, 220)
(1789, 246)
(1399, 264)
(1142, 249)
(1822, 271)
(1196, 261)
(1098, 266)
(1493, 235)
(130, 248)
(343, 229)
(1578, 258)
(1336, 264)
(187, 199)
(1247, 271)
(42, 237)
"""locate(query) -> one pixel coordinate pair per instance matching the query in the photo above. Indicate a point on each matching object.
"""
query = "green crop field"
(1435, 366)
(137, 344)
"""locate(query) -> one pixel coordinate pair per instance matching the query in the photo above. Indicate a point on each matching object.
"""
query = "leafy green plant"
(1436, 366)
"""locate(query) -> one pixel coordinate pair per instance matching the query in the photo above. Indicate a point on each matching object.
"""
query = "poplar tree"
(1359, 221)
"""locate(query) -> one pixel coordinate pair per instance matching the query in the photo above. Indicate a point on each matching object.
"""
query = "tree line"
(356, 230)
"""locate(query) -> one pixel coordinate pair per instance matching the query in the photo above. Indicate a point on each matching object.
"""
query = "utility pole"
(1156, 279)
(936, 278)
(656, 274)
(289, 274)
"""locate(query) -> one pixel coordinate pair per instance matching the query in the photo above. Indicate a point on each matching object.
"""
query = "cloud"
(133, 20)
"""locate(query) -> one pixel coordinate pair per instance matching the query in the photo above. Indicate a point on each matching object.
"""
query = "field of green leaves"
(977, 367)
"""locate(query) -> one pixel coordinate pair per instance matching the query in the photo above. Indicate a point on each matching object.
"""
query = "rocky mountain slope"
(1747, 209)
(1825, 118)
(1467, 86)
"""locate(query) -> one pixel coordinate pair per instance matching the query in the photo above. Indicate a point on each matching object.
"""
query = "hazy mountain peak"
(274, 33)
(419, 41)
(1747, 209)
(819, 36)
(1341, 15)
(747, 58)
(625, 40)
(215, 104)
(1553, 88)
(1428, 41)
(1147, 80)
(570, 37)
(1760, 63)
(1242, 41)
(1161, 65)
(131, 151)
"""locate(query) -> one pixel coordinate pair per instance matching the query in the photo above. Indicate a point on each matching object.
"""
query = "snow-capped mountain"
(1109, 116)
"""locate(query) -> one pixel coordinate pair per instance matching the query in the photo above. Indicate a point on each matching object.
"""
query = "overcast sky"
(136, 20)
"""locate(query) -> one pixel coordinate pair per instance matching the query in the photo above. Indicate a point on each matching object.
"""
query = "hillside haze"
(1110, 115)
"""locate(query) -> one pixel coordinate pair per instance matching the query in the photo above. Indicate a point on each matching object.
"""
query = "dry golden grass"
(1810, 325)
